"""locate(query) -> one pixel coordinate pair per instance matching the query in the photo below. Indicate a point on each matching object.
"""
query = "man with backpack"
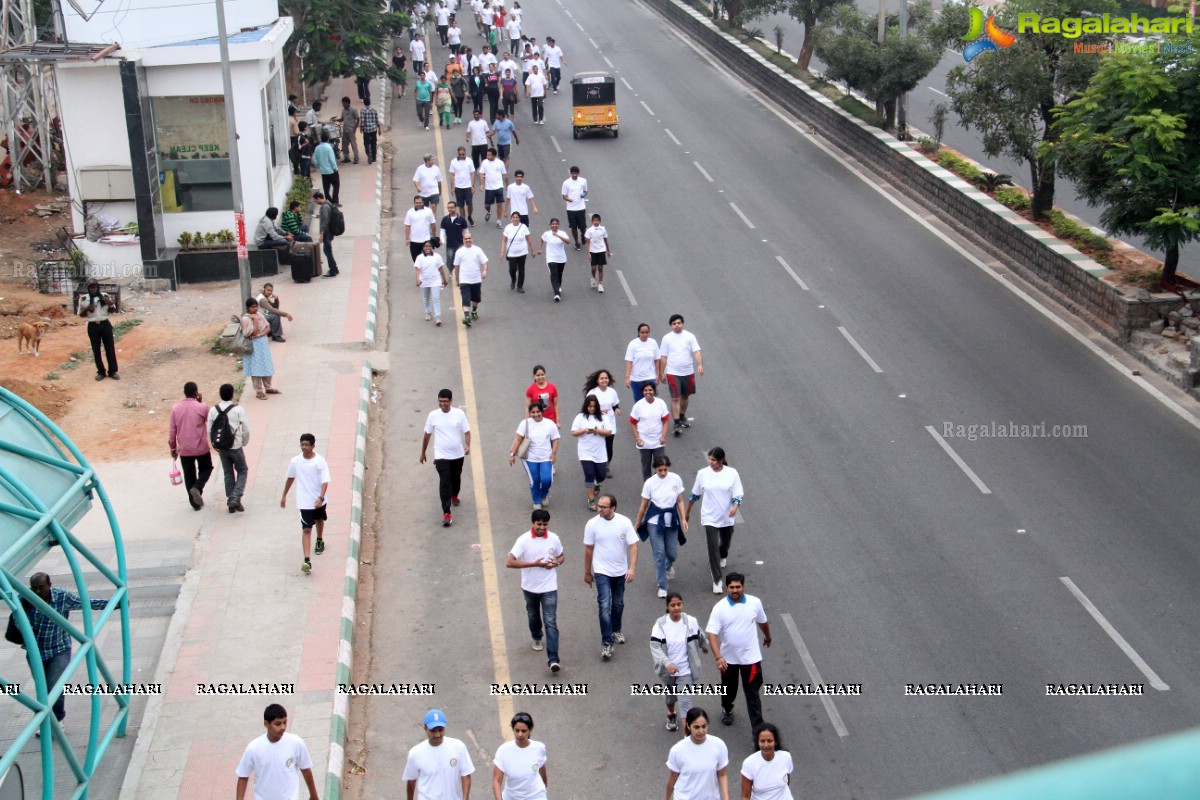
(188, 440)
(228, 432)
(333, 223)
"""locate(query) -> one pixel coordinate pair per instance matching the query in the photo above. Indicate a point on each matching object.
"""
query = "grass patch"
(52, 376)
(123, 327)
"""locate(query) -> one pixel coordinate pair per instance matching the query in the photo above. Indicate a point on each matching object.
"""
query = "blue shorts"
(493, 196)
(594, 472)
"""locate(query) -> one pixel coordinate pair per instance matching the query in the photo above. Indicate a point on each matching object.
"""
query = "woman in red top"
(544, 392)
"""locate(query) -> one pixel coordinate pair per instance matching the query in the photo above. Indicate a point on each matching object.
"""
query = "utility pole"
(902, 102)
(235, 164)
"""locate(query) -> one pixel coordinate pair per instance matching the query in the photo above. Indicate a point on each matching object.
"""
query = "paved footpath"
(246, 614)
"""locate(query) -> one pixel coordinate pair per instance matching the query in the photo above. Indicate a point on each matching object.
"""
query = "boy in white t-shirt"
(538, 553)
(598, 249)
(310, 473)
(274, 759)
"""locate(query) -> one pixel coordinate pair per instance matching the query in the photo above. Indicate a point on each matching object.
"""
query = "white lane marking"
(643, 102)
(702, 172)
(745, 219)
(554, 142)
(593, 41)
(627, 86)
(1054, 319)
(870, 361)
(1150, 674)
(673, 139)
(795, 277)
(943, 94)
(610, 64)
(980, 485)
(815, 675)
(577, 25)
(625, 286)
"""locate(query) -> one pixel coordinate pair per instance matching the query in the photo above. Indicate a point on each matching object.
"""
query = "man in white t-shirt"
(574, 192)
(519, 196)
(310, 473)
(538, 553)
(732, 632)
(491, 180)
(535, 90)
(554, 62)
(416, 54)
(275, 760)
(599, 251)
(462, 171)
(679, 363)
(470, 270)
(440, 767)
(427, 180)
(508, 63)
(649, 417)
(442, 18)
(478, 135)
(609, 559)
(451, 434)
(420, 225)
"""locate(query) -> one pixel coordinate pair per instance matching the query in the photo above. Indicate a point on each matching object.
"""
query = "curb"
(373, 294)
(341, 702)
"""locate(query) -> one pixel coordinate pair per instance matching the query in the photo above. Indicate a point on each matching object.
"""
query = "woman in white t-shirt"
(519, 768)
(600, 384)
(431, 279)
(554, 243)
(662, 511)
(589, 430)
(676, 641)
(516, 244)
(698, 766)
(641, 361)
(543, 452)
(720, 486)
(767, 774)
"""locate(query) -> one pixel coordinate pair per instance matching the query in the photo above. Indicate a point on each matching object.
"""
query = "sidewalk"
(246, 614)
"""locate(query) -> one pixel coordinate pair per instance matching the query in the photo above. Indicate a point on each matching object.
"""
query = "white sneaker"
(593, 283)
(557, 298)
(428, 317)
(671, 572)
(662, 592)
(437, 321)
(537, 645)
(719, 587)
(606, 652)
(537, 506)
(600, 288)
(723, 561)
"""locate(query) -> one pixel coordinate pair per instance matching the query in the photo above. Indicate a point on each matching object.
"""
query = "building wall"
(146, 23)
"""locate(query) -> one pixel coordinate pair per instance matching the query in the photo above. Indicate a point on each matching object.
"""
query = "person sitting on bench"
(268, 235)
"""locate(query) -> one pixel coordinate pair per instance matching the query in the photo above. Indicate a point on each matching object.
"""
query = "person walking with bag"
(536, 442)
(676, 641)
(229, 432)
(662, 512)
(188, 440)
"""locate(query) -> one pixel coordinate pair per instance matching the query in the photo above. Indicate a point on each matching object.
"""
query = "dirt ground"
(108, 420)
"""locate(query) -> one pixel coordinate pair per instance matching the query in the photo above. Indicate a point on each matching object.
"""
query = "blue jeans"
(610, 597)
(636, 387)
(541, 475)
(665, 544)
(542, 609)
(54, 668)
(431, 297)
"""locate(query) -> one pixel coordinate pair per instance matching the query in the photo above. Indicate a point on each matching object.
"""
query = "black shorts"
(577, 219)
(463, 196)
(682, 385)
(502, 151)
(310, 516)
(433, 199)
(599, 259)
(470, 293)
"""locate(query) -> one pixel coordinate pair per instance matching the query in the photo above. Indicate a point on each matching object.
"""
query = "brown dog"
(29, 335)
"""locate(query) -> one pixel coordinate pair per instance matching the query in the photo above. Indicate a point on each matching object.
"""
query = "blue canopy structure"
(46, 488)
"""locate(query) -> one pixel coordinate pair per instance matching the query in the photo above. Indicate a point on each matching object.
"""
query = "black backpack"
(337, 221)
(221, 433)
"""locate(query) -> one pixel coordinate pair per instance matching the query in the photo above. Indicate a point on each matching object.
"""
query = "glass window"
(277, 121)
(193, 153)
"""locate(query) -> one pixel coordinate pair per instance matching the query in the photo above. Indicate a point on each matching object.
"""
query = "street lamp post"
(235, 166)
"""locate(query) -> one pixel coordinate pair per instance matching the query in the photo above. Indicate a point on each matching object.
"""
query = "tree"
(810, 13)
(1010, 95)
(882, 72)
(1131, 141)
(345, 38)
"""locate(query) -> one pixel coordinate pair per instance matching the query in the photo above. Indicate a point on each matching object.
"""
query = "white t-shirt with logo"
(528, 547)
(493, 172)
(556, 248)
(736, 627)
(430, 269)
(275, 767)
(769, 777)
(591, 446)
(649, 418)
(519, 195)
(697, 766)
(717, 490)
(676, 636)
(463, 169)
(644, 357)
(309, 474)
(540, 436)
(439, 770)
(516, 236)
(522, 770)
(418, 223)
(447, 429)
(663, 492)
(575, 190)
(610, 539)
(470, 261)
(609, 399)
(679, 348)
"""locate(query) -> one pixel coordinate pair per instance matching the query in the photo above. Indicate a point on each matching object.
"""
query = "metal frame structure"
(29, 100)
(46, 486)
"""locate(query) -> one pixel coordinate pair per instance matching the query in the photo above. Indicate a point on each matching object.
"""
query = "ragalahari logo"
(996, 38)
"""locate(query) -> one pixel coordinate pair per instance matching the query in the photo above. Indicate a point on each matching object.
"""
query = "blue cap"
(434, 718)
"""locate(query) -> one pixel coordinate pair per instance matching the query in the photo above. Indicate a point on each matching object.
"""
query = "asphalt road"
(893, 563)
(932, 91)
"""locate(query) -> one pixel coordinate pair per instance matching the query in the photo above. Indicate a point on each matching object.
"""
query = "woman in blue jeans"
(662, 511)
(543, 451)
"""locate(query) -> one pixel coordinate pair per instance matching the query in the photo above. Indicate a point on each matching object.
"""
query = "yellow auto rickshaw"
(593, 103)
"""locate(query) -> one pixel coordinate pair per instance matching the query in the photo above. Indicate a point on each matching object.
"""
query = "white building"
(145, 128)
